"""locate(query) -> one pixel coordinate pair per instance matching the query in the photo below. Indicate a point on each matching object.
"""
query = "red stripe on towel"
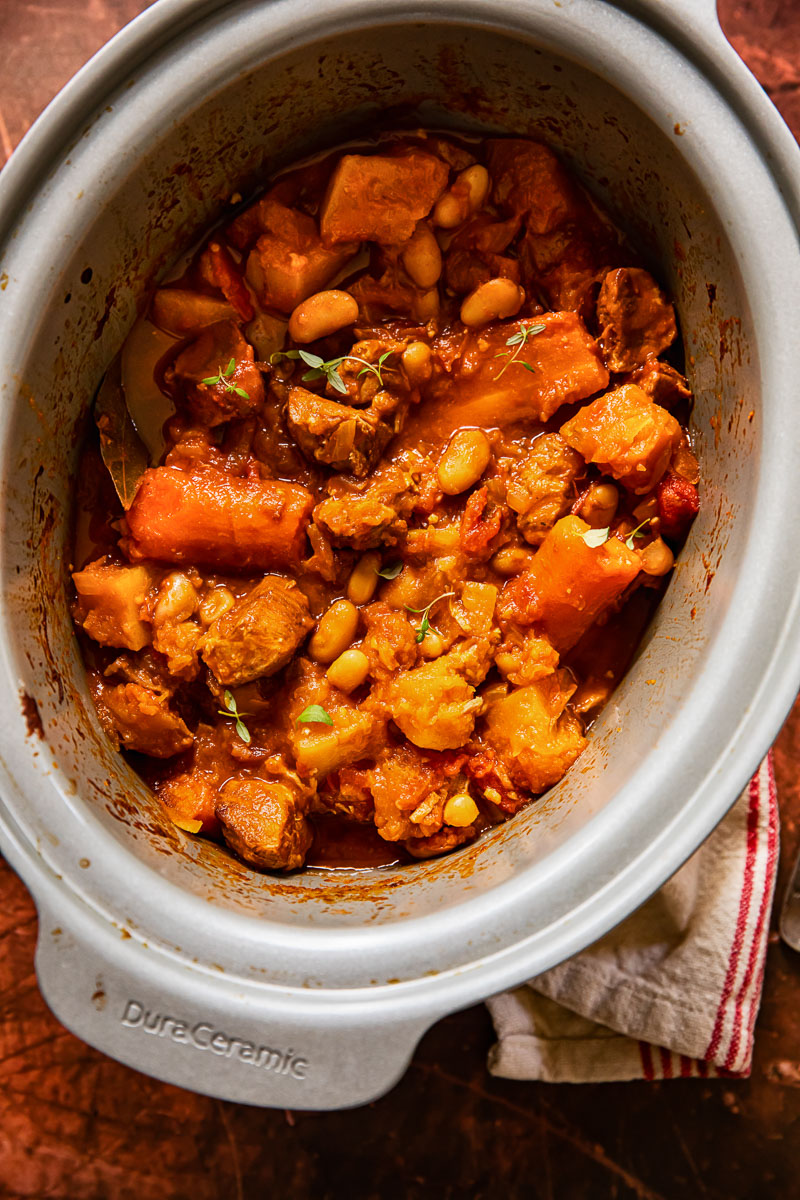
(772, 862)
(741, 920)
(647, 1059)
(756, 943)
(666, 1062)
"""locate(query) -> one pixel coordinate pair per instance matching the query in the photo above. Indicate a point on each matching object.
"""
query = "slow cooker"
(312, 991)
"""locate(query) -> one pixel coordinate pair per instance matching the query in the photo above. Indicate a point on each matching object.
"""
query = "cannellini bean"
(335, 631)
(657, 558)
(349, 670)
(177, 599)
(511, 560)
(647, 509)
(426, 306)
(464, 461)
(422, 257)
(215, 604)
(364, 578)
(322, 314)
(492, 301)
(460, 810)
(432, 644)
(465, 197)
(599, 505)
(417, 362)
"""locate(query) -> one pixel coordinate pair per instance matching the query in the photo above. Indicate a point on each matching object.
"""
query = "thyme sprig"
(224, 377)
(425, 624)
(517, 341)
(231, 710)
(319, 368)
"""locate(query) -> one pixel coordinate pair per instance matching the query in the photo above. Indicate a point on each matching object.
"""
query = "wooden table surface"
(77, 1126)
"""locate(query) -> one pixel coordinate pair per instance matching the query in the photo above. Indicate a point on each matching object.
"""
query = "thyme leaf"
(314, 714)
(597, 537)
(391, 570)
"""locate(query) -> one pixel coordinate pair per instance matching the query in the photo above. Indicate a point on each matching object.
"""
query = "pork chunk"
(264, 824)
(542, 487)
(208, 357)
(662, 383)
(345, 438)
(110, 597)
(362, 522)
(380, 198)
(636, 320)
(410, 791)
(627, 435)
(259, 634)
(145, 722)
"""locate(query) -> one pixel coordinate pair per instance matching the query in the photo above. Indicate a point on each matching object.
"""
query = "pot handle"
(250, 1044)
(700, 15)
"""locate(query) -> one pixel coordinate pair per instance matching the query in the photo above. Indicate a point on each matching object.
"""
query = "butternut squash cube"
(627, 435)
(569, 584)
(533, 732)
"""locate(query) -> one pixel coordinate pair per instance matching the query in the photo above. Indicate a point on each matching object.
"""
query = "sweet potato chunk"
(637, 322)
(289, 261)
(345, 438)
(264, 824)
(206, 516)
(566, 368)
(181, 311)
(627, 435)
(534, 733)
(380, 198)
(569, 584)
(144, 721)
(236, 394)
(259, 634)
(110, 597)
(542, 487)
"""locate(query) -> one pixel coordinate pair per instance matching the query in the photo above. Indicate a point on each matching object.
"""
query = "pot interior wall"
(159, 194)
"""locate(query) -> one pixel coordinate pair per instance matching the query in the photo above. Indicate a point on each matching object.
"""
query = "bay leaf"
(123, 451)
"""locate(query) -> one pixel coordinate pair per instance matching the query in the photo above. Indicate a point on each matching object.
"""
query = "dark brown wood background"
(77, 1126)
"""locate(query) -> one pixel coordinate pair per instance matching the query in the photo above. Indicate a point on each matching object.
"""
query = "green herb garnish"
(224, 377)
(231, 710)
(425, 623)
(314, 714)
(634, 533)
(596, 537)
(517, 341)
(330, 370)
(390, 571)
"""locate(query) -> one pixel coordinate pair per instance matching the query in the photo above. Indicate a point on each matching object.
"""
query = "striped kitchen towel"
(674, 990)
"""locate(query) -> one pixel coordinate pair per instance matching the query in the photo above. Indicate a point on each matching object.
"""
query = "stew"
(421, 482)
